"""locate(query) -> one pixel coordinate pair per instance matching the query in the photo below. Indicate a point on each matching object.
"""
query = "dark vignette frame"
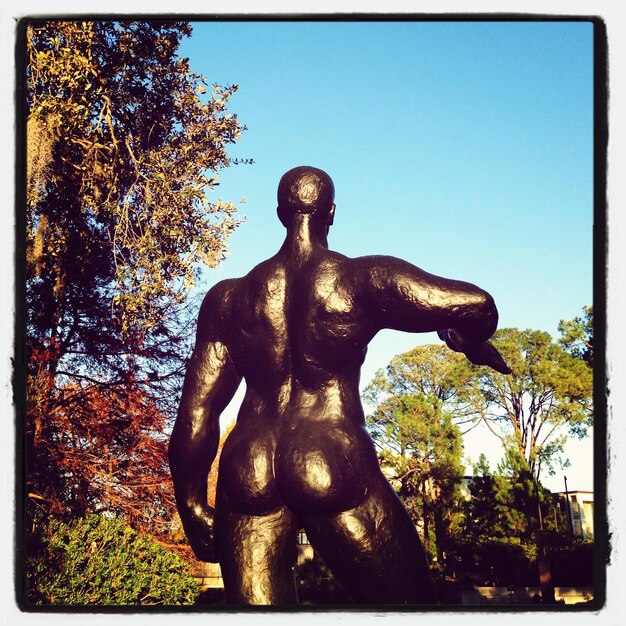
(602, 532)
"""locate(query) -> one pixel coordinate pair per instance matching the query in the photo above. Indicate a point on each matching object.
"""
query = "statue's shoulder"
(352, 271)
(224, 288)
(328, 259)
(361, 267)
(219, 297)
(377, 273)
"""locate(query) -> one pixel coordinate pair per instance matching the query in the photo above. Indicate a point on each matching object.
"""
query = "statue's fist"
(198, 521)
(487, 354)
(484, 353)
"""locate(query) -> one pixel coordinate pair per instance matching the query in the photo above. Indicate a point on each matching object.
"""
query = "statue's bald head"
(306, 190)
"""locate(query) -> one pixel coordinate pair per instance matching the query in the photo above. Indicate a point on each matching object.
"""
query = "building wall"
(579, 505)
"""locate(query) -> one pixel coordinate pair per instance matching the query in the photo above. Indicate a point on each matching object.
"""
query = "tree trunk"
(426, 520)
(440, 536)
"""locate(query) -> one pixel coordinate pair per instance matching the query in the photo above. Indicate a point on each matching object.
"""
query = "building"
(578, 507)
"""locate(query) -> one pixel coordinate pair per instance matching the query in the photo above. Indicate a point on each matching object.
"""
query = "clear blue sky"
(464, 148)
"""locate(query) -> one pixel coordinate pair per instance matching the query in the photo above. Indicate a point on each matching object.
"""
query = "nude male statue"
(296, 329)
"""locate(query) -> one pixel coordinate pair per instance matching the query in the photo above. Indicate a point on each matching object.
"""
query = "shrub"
(513, 563)
(101, 561)
(495, 562)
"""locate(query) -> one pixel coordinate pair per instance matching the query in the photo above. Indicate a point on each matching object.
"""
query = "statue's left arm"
(404, 297)
(210, 383)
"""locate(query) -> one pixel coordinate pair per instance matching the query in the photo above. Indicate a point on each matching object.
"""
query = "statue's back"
(297, 323)
(302, 383)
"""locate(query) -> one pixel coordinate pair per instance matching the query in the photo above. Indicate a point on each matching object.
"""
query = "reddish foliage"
(104, 450)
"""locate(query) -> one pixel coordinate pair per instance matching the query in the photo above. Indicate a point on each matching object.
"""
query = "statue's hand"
(198, 523)
(484, 353)
(487, 354)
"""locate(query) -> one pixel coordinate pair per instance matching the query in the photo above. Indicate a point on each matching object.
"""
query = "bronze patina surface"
(296, 329)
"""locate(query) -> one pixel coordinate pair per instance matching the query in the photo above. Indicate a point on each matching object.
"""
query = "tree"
(106, 455)
(429, 370)
(547, 398)
(417, 438)
(577, 335)
(484, 514)
(123, 144)
(532, 411)
(504, 503)
(519, 495)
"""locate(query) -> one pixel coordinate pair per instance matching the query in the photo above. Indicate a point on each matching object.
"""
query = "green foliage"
(409, 421)
(425, 395)
(419, 444)
(431, 370)
(547, 398)
(577, 335)
(507, 503)
(572, 563)
(485, 513)
(131, 146)
(518, 493)
(99, 561)
(509, 561)
(498, 562)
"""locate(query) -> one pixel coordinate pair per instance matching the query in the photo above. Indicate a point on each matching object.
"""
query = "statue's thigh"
(374, 550)
(257, 555)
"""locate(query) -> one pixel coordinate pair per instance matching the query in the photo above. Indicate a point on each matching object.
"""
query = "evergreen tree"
(577, 335)
(419, 444)
(484, 514)
(533, 411)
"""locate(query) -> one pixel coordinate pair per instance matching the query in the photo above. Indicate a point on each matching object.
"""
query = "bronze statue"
(296, 328)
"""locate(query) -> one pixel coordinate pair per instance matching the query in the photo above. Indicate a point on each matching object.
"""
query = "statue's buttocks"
(312, 466)
(318, 466)
(246, 473)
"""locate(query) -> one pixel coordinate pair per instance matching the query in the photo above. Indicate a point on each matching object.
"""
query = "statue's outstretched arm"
(210, 383)
(404, 297)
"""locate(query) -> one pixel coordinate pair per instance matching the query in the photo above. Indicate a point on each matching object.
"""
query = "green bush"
(101, 561)
(513, 563)
(495, 562)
